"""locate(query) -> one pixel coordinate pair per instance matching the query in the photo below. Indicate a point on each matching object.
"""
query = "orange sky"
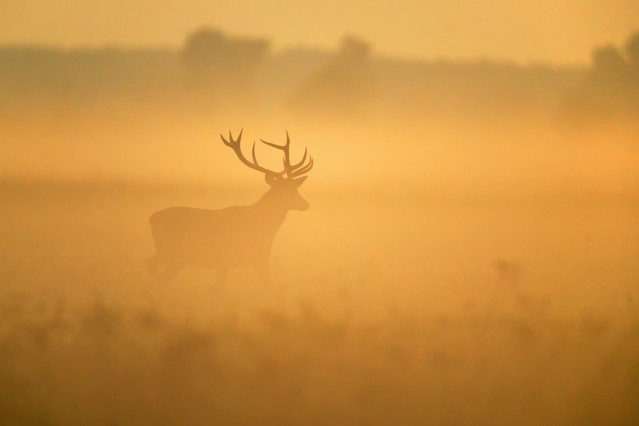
(556, 31)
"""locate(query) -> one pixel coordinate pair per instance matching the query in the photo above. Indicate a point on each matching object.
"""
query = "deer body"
(229, 237)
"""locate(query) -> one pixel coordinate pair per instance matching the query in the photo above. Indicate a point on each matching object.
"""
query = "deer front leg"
(153, 264)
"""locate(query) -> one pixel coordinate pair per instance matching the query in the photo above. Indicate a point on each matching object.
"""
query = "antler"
(235, 146)
(292, 170)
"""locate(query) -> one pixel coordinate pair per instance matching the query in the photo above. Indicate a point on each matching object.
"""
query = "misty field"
(471, 251)
(387, 309)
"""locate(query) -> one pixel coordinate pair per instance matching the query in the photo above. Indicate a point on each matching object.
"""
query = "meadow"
(387, 307)
(470, 255)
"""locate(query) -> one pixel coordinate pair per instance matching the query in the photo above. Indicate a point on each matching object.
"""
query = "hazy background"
(558, 32)
(470, 252)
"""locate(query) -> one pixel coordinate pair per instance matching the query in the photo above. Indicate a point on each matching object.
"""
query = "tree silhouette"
(343, 85)
(611, 86)
(608, 62)
(220, 66)
(632, 49)
(632, 53)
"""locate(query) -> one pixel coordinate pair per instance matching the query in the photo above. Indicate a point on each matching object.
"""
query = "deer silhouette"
(233, 236)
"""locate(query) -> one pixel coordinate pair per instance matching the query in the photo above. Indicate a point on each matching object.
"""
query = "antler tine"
(239, 137)
(301, 162)
(236, 147)
(232, 142)
(253, 155)
(227, 143)
(292, 170)
(305, 169)
(287, 152)
(282, 147)
(274, 145)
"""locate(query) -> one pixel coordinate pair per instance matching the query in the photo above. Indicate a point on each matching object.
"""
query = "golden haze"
(469, 255)
(522, 30)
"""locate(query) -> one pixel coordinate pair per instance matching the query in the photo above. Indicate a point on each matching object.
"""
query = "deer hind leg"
(153, 263)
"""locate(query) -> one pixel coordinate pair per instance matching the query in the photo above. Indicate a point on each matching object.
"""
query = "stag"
(233, 236)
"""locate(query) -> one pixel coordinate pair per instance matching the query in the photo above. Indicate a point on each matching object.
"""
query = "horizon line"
(375, 55)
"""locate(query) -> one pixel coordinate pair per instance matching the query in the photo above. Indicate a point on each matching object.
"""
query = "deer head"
(284, 183)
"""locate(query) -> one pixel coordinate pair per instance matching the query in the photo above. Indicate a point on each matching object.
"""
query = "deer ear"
(270, 179)
(299, 181)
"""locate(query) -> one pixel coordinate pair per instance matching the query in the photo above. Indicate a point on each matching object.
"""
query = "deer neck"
(270, 211)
